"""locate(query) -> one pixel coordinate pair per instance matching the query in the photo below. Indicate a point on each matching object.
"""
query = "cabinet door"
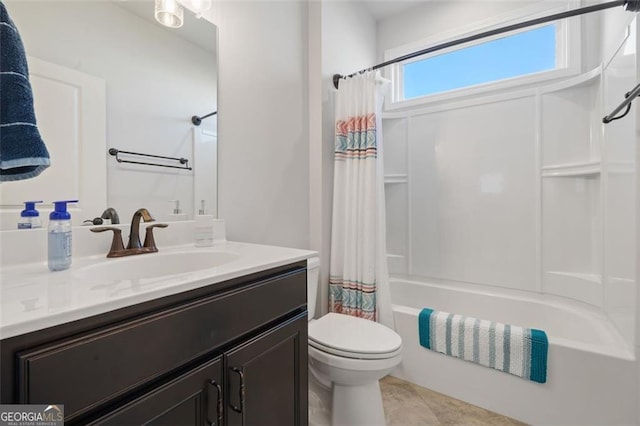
(267, 378)
(193, 399)
(115, 357)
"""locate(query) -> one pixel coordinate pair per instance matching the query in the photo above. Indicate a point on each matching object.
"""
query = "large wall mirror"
(106, 75)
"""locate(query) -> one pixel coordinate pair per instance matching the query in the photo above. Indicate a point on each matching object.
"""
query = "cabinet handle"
(240, 392)
(220, 406)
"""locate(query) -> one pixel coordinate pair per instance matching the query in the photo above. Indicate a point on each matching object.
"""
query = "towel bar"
(183, 161)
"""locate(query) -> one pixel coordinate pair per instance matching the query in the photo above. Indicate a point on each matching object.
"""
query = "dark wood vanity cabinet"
(190, 399)
(263, 378)
(233, 353)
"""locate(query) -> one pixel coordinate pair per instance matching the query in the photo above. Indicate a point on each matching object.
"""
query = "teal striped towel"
(509, 348)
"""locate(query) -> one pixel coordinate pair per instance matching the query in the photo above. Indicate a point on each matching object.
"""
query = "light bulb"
(201, 5)
(169, 13)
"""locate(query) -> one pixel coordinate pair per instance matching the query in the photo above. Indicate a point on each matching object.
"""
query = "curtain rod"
(630, 5)
(628, 98)
(197, 120)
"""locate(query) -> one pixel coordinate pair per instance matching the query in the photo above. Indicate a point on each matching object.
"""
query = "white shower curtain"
(358, 273)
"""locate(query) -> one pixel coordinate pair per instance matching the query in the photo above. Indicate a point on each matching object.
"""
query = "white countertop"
(33, 298)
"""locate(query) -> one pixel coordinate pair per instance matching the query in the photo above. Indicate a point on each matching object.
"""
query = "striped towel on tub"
(509, 348)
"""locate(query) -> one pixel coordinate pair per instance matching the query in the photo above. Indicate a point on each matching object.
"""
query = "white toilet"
(347, 357)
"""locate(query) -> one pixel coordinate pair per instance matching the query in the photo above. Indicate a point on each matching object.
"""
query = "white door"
(70, 109)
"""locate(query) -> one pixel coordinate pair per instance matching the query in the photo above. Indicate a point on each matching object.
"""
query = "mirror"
(113, 77)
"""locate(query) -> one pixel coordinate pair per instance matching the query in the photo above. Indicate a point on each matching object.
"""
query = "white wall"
(262, 124)
(620, 215)
(263, 152)
(436, 17)
(342, 40)
(317, 209)
(637, 237)
(611, 35)
(155, 83)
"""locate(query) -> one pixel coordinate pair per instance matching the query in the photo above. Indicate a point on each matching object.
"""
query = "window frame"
(568, 55)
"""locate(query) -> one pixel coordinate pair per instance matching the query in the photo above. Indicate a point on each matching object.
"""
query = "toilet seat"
(354, 365)
(354, 355)
(351, 337)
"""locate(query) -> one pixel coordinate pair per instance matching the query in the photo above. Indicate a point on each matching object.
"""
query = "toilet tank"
(313, 276)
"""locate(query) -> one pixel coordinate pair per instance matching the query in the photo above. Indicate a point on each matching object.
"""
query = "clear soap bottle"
(177, 214)
(60, 236)
(203, 228)
(30, 217)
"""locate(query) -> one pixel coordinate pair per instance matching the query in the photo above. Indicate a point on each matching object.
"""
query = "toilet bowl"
(348, 356)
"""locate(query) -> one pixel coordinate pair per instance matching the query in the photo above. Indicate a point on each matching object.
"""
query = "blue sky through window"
(511, 56)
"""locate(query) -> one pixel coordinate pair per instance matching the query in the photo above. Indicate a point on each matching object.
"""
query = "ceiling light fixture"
(169, 13)
(197, 6)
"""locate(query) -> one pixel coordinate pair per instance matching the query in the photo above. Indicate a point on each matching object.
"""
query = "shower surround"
(520, 207)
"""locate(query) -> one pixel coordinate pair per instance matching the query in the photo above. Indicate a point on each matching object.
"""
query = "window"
(510, 56)
(528, 57)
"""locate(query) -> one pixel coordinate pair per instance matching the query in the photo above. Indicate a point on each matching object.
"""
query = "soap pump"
(203, 228)
(30, 217)
(60, 236)
(177, 213)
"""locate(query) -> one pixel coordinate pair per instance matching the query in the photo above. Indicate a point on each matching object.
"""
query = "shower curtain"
(358, 273)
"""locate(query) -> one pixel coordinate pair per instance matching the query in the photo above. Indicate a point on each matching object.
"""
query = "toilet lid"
(346, 335)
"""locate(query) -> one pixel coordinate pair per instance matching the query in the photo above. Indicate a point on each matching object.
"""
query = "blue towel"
(23, 154)
(509, 348)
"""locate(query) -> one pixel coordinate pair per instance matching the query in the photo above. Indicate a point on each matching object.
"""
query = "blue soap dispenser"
(29, 217)
(60, 236)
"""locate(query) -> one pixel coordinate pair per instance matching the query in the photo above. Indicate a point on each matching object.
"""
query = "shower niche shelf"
(588, 168)
(571, 188)
(570, 284)
(621, 168)
(391, 179)
(395, 134)
(591, 278)
(570, 126)
(572, 233)
(394, 256)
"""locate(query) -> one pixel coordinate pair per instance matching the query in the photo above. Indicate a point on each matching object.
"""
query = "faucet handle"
(149, 241)
(112, 214)
(117, 247)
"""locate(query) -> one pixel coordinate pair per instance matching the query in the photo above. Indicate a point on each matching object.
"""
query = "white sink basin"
(155, 265)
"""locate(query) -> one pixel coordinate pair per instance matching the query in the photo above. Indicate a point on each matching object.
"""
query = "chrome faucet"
(134, 233)
(111, 214)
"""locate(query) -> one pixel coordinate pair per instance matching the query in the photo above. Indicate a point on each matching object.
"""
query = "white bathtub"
(591, 375)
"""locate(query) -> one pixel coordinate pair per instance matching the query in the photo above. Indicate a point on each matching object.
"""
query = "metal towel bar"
(183, 161)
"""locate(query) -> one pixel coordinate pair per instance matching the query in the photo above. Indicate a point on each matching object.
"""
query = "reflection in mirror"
(106, 75)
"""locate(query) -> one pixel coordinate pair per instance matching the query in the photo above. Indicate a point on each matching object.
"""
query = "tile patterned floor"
(406, 404)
